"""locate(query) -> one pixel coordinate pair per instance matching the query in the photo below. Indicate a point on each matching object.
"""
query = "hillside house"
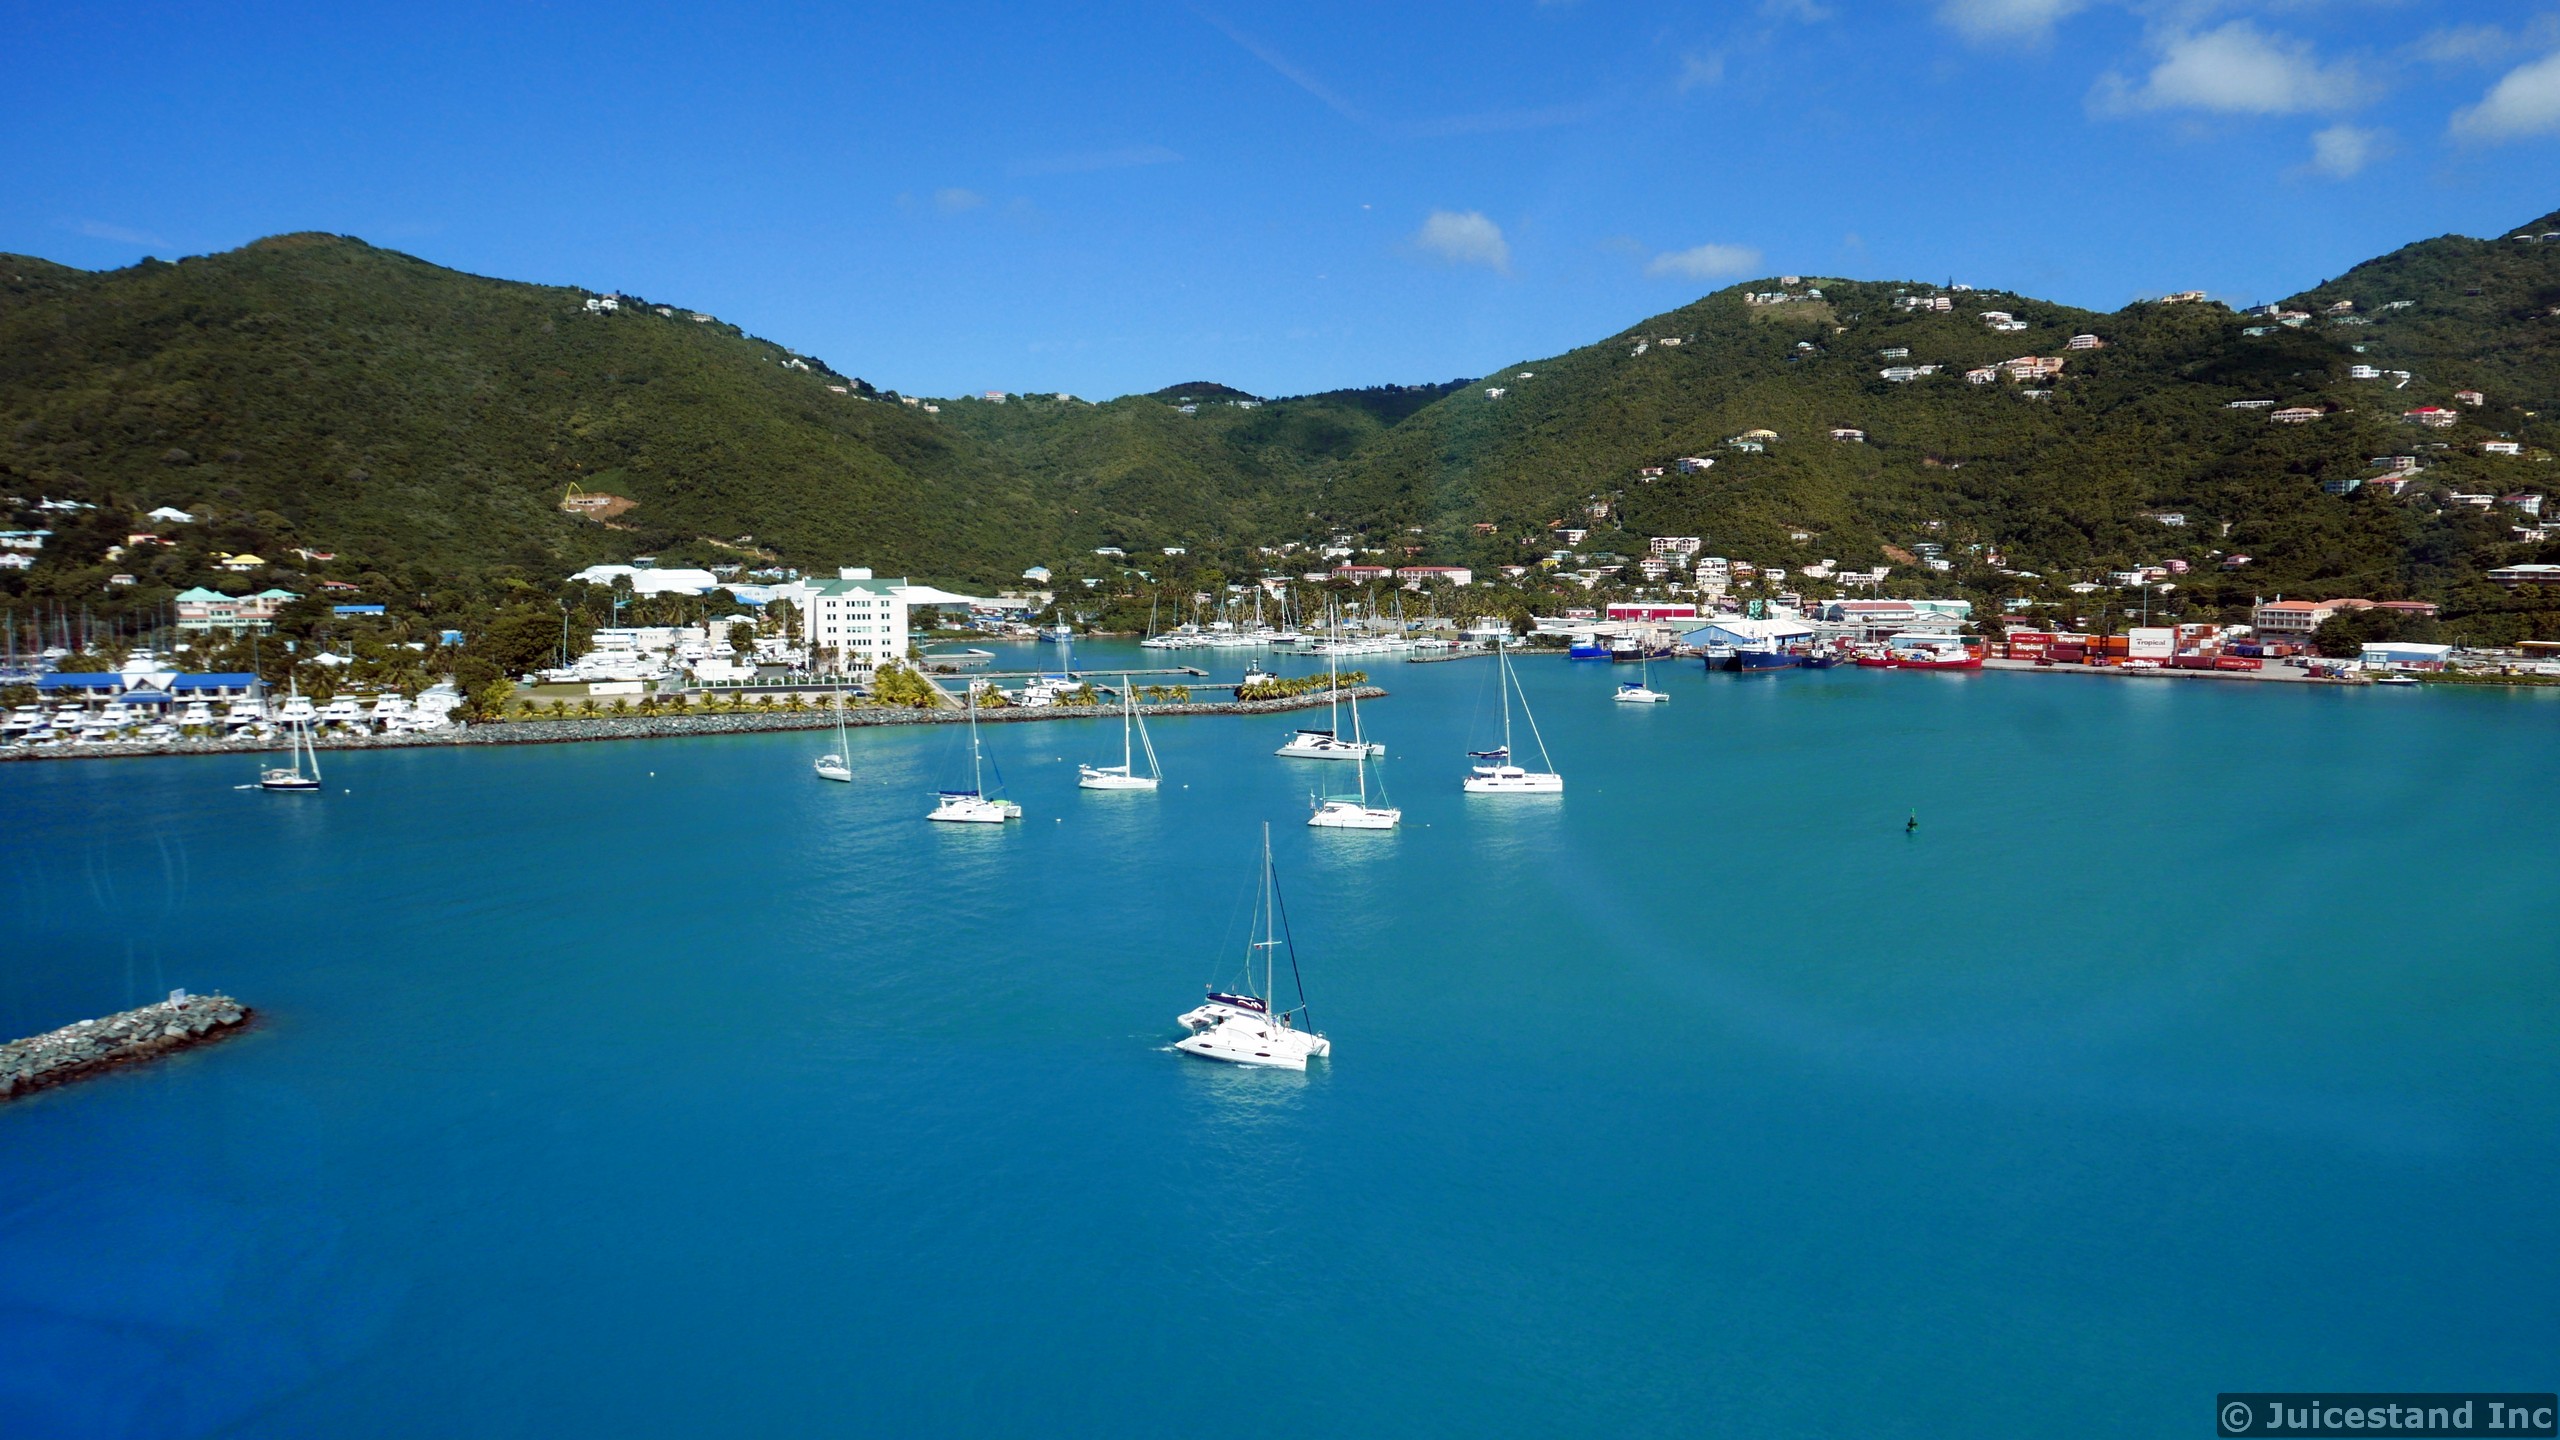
(2236, 562)
(1572, 536)
(2394, 484)
(2258, 330)
(2516, 577)
(2174, 518)
(1650, 472)
(2184, 297)
(2399, 464)
(202, 609)
(1983, 375)
(1678, 544)
(241, 564)
(1669, 341)
(2033, 367)
(1894, 352)
(1997, 317)
(2341, 307)
(1905, 374)
(1495, 392)
(17, 560)
(1694, 464)
(169, 515)
(1484, 527)
(2501, 447)
(2363, 372)
(1849, 435)
(1747, 447)
(2345, 484)
(2528, 503)
(1359, 573)
(2475, 501)
(2472, 398)
(2084, 342)
(2250, 405)
(1761, 435)
(2296, 415)
(2434, 417)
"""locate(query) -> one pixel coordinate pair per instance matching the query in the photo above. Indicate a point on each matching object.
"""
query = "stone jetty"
(93, 1045)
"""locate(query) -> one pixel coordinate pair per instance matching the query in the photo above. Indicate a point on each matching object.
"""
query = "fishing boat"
(838, 766)
(1640, 691)
(1498, 775)
(1133, 741)
(1059, 633)
(289, 778)
(2395, 679)
(1245, 1025)
(974, 806)
(1328, 744)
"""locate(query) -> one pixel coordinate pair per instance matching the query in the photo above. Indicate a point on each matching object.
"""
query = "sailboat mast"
(1270, 981)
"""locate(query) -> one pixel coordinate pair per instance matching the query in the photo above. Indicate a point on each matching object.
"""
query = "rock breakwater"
(662, 727)
(90, 1046)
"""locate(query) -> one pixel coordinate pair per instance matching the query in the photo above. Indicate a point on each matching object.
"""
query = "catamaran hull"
(977, 812)
(1515, 783)
(1351, 815)
(1326, 747)
(1093, 779)
(1240, 1042)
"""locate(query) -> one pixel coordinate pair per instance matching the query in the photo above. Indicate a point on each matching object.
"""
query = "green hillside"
(421, 427)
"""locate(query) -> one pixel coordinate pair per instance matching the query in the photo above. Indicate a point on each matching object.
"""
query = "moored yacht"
(974, 806)
(1244, 1026)
(1500, 775)
(1133, 739)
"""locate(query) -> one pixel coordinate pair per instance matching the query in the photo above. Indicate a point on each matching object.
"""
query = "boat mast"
(1504, 659)
(977, 784)
(1270, 982)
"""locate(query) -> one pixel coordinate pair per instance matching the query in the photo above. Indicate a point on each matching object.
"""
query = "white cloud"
(1464, 238)
(1701, 70)
(2234, 70)
(121, 234)
(1989, 22)
(954, 200)
(2526, 101)
(2344, 150)
(1704, 262)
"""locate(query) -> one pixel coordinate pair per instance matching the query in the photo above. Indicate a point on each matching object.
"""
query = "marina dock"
(76, 1051)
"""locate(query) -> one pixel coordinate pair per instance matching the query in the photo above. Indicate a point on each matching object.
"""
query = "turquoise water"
(2202, 1038)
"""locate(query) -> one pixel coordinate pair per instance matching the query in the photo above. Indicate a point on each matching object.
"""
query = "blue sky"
(1283, 197)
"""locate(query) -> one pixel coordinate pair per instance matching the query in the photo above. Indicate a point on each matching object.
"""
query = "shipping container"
(2239, 662)
(2151, 642)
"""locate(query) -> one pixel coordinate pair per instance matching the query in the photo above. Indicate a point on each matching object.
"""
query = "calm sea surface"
(2205, 1037)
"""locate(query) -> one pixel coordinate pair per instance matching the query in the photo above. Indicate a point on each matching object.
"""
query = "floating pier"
(75, 1051)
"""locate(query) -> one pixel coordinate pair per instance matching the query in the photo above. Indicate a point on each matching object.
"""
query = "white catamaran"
(974, 806)
(838, 766)
(289, 777)
(1328, 744)
(1247, 1026)
(1641, 691)
(1125, 776)
(1498, 775)
(1354, 812)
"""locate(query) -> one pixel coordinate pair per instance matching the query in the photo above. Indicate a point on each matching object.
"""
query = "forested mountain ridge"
(422, 426)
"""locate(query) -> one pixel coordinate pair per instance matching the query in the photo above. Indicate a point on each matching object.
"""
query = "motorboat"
(1060, 633)
(2395, 679)
(1500, 774)
(1133, 741)
(195, 714)
(345, 710)
(1244, 1025)
(298, 710)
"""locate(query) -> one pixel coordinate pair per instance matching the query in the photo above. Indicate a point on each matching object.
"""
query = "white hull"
(1641, 696)
(831, 768)
(970, 810)
(1255, 1040)
(1112, 777)
(1308, 746)
(1512, 780)
(1352, 815)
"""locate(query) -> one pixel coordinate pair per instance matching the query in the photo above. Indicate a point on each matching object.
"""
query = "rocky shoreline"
(664, 727)
(76, 1051)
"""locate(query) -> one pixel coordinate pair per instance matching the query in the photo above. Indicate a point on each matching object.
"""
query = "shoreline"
(669, 727)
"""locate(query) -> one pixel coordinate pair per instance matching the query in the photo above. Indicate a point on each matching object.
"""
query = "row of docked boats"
(118, 722)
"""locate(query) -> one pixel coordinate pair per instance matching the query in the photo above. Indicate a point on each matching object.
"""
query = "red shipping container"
(2239, 662)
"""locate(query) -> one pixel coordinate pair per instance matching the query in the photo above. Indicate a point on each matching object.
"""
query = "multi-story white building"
(856, 619)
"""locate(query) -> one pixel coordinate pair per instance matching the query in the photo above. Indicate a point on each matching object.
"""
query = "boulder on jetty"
(93, 1045)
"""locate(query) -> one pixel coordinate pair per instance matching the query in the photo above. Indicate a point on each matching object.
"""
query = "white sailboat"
(1347, 812)
(1125, 776)
(1248, 1027)
(289, 777)
(838, 766)
(1498, 775)
(1328, 744)
(974, 806)
(1641, 691)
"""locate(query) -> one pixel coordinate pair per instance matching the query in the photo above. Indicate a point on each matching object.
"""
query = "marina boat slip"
(974, 806)
(1498, 775)
(1246, 1026)
(1124, 776)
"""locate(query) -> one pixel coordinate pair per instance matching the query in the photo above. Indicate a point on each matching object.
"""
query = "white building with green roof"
(857, 620)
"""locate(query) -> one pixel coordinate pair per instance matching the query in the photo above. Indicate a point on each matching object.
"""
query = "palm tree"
(587, 707)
